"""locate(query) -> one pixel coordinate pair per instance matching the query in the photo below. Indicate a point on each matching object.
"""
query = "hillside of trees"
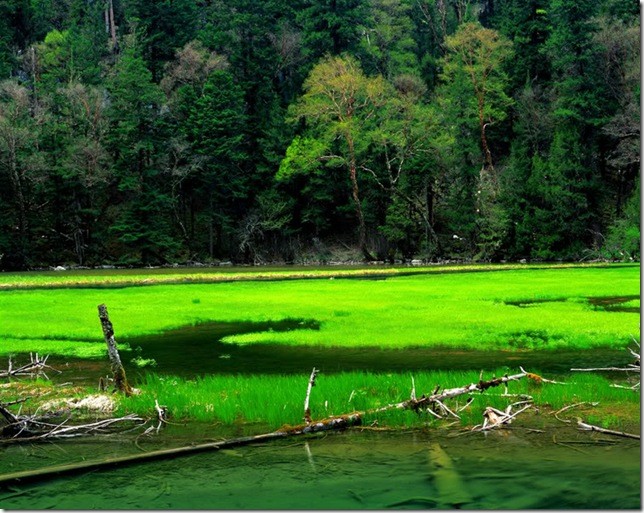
(137, 132)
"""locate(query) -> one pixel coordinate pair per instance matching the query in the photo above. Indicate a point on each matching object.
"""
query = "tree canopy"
(148, 133)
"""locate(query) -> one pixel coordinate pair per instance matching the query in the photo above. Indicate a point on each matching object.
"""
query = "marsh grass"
(513, 308)
(272, 401)
(145, 277)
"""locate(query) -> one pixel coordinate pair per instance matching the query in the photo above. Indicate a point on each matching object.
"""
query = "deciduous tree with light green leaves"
(475, 99)
(340, 107)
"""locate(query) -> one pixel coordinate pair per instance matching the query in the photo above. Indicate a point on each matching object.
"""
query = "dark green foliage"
(164, 27)
(191, 132)
(331, 26)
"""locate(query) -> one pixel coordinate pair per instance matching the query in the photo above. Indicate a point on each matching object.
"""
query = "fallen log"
(451, 490)
(334, 423)
(439, 397)
(310, 427)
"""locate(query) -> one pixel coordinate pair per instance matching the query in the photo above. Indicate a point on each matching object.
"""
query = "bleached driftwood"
(34, 368)
(569, 407)
(494, 418)
(589, 427)
(307, 408)
(438, 398)
(634, 367)
(631, 367)
(22, 428)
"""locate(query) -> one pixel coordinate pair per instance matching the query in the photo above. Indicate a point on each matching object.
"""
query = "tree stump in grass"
(118, 372)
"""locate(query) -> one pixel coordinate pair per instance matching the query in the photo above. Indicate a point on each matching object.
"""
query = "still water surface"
(197, 350)
(511, 469)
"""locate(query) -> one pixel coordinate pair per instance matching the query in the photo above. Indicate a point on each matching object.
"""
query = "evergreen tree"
(474, 97)
(386, 43)
(139, 226)
(22, 173)
(165, 27)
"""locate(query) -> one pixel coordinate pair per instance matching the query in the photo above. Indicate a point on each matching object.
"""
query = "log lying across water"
(329, 424)
(334, 423)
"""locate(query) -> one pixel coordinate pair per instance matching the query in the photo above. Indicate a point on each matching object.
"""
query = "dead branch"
(494, 418)
(634, 367)
(569, 407)
(307, 409)
(589, 427)
(426, 401)
(162, 413)
(631, 367)
(23, 428)
(634, 388)
(34, 368)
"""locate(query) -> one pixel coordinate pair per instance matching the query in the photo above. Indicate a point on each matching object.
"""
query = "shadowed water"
(197, 350)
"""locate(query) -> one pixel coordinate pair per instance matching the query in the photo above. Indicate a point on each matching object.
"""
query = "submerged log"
(452, 492)
(118, 372)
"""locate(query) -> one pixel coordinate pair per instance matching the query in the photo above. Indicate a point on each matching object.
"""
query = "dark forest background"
(137, 132)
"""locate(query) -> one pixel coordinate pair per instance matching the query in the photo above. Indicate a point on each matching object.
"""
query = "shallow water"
(510, 469)
(197, 350)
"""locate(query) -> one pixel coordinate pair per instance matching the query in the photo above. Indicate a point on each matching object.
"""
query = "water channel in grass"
(544, 465)
(198, 350)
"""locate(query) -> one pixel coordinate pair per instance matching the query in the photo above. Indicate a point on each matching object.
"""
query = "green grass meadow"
(515, 307)
(512, 308)
(274, 401)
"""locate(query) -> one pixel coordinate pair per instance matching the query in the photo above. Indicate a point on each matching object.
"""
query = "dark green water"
(197, 350)
(512, 469)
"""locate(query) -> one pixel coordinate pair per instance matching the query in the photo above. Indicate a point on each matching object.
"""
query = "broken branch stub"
(118, 372)
(307, 408)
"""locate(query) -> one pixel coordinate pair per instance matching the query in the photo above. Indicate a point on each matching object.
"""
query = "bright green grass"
(273, 401)
(458, 309)
(121, 277)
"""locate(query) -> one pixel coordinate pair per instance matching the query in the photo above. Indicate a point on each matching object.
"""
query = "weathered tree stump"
(118, 372)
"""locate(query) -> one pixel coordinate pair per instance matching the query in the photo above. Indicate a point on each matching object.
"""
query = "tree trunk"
(115, 45)
(353, 173)
(118, 372)
(331, 424)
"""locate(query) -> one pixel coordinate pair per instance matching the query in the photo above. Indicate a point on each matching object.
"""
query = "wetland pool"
(518, 468)
(197, 350)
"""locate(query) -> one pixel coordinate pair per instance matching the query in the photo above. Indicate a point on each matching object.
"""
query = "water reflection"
(515, 469)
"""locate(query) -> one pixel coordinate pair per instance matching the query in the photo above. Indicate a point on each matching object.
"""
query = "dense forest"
(137, 132)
